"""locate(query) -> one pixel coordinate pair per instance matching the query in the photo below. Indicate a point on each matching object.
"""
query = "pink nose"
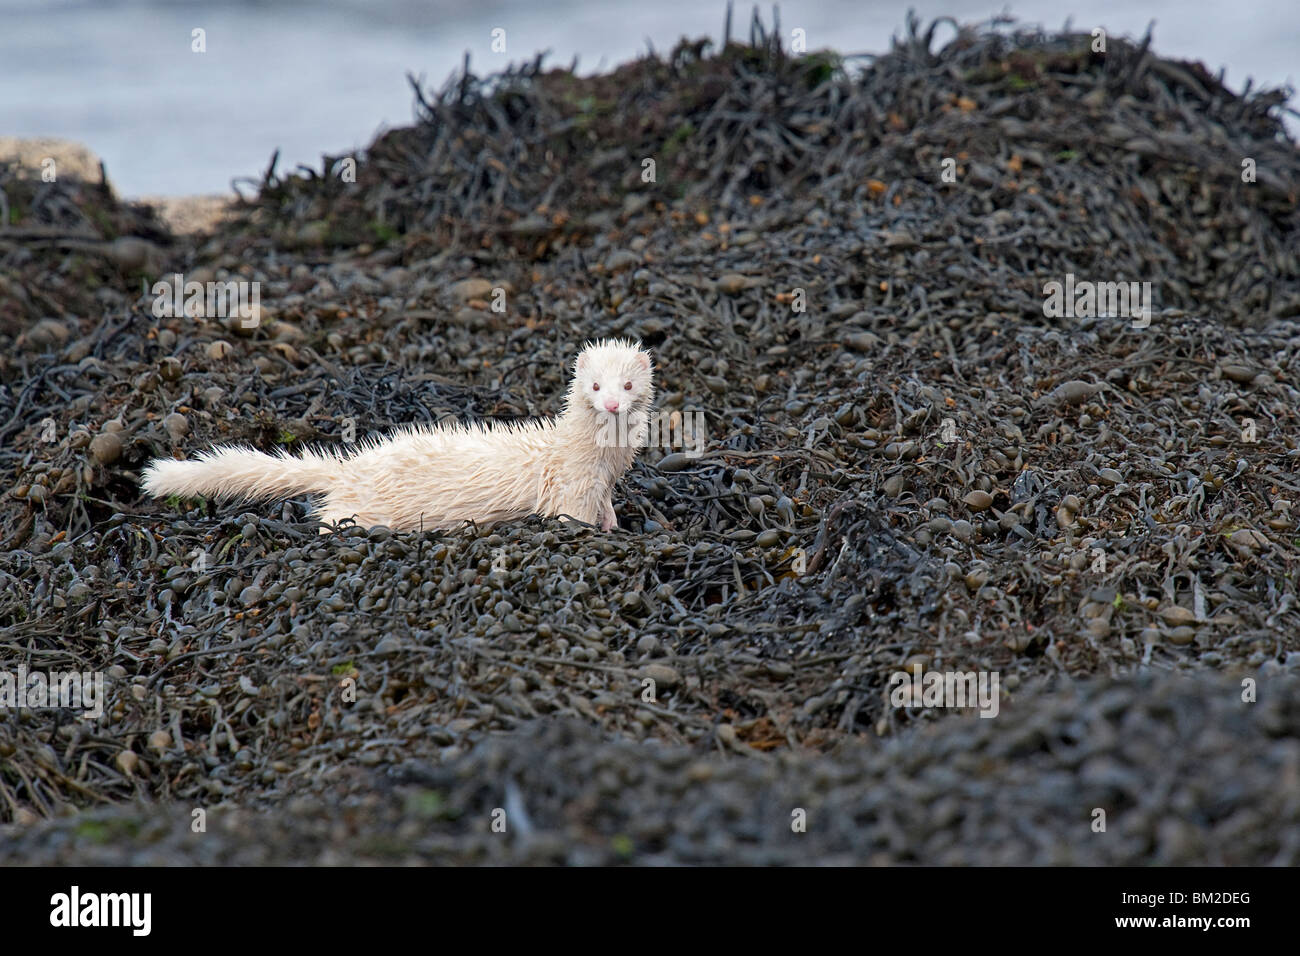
(611, 404)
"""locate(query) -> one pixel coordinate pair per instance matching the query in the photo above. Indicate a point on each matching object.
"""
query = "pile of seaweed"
(1040, 128)
(906, 460)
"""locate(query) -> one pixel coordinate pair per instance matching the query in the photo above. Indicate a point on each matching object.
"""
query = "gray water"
(313, 78)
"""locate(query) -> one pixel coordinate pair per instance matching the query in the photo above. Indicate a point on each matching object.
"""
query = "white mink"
(438, 477)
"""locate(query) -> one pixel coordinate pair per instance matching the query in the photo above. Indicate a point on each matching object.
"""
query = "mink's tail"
(238, 472)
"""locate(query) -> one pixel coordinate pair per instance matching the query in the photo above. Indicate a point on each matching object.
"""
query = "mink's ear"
(582, 361)
(643, 358)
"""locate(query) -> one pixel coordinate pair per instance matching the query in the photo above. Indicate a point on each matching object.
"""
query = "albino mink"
(437, 477)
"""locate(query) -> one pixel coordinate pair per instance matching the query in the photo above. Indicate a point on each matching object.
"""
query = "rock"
(71, 159)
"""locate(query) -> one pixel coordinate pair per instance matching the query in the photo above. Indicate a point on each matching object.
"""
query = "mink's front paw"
(608, 520)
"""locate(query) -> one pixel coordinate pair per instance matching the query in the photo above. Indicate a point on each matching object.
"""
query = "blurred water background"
(322, 77)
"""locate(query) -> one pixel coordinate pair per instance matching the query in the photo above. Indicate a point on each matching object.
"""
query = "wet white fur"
(438, 477)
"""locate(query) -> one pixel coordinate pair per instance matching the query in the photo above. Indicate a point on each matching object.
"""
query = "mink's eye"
(628, 387)
(595, 386)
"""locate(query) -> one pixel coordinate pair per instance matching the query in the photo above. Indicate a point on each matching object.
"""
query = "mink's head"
(612, 377)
